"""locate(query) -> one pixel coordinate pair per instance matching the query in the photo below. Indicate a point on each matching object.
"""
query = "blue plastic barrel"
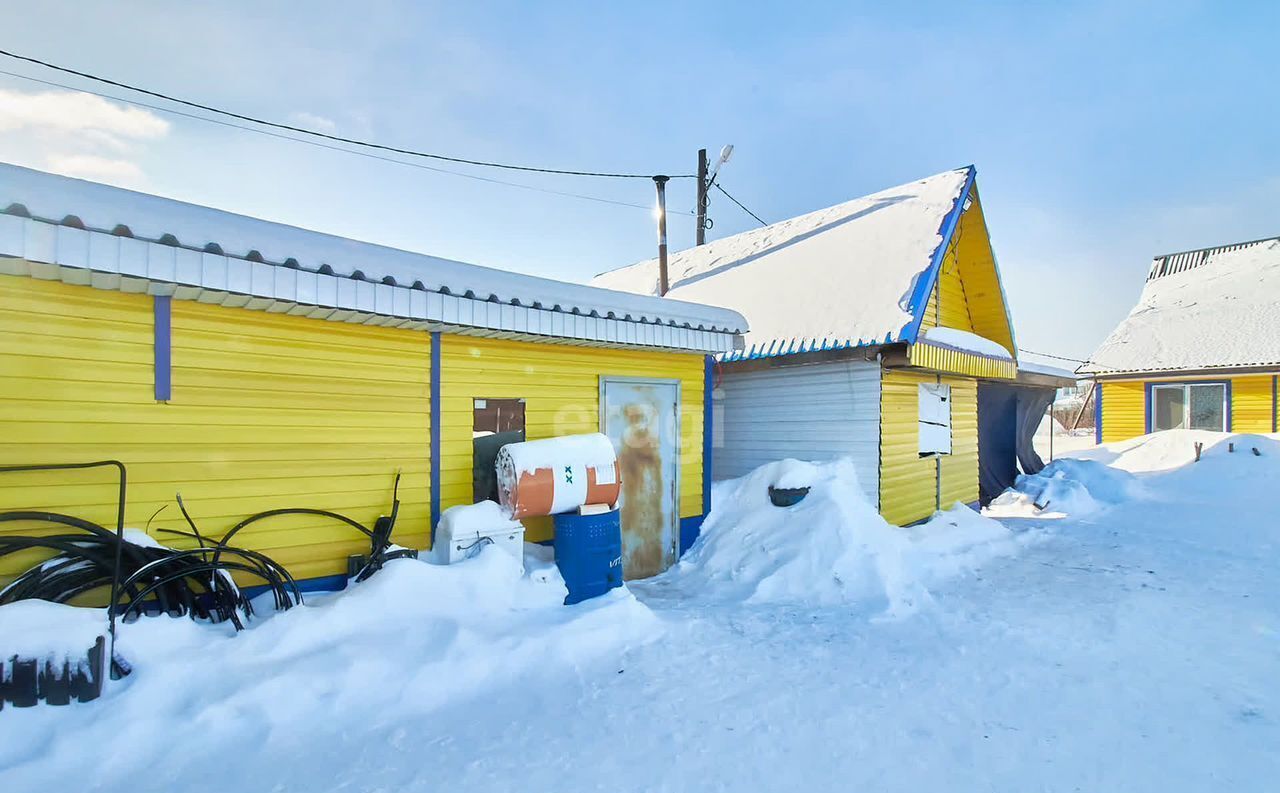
(589, 553)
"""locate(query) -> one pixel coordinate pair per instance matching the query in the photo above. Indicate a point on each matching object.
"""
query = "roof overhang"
(53, 251)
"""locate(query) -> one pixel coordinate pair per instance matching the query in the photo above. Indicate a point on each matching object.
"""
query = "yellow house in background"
(873, 325)
(252, 366)
(1200, 350)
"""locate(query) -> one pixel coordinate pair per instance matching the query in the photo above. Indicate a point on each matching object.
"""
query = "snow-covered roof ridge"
(1217, 310)
(82, 204)
(846, 275)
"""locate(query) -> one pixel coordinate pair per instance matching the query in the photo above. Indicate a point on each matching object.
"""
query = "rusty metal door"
(642, 419)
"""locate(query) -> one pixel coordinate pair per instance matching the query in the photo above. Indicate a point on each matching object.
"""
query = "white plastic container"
(465, 529)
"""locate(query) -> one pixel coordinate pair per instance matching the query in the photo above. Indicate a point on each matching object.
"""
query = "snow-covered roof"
(1208, 309)
(849, 275)
(184, 247)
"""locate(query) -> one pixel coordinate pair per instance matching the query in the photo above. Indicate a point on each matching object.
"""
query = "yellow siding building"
(1200, 350)
(250, 366)
(871, 322)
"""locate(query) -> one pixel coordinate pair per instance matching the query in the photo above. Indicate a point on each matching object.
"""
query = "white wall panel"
(814, 412)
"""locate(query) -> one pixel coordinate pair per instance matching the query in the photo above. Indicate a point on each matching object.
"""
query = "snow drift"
(407, 641)
(833, 546)
(1066, 487)
(1170, 449)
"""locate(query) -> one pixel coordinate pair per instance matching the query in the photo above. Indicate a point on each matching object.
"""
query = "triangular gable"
(963, 270)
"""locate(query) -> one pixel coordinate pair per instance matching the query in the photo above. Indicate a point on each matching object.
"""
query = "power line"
(739, 203)
(335, 138)
(1050, 355)
(341, 149)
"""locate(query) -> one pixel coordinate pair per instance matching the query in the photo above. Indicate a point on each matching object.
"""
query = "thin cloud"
(64, 112)
(312, 121)
(79, 135)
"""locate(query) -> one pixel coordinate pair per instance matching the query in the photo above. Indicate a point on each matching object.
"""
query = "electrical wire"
(739, 203)
(336, 138)
(342, 149)
(1050, 355)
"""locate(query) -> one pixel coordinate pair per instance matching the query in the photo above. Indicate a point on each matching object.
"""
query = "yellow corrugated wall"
(1250, 404)
(268, 411)
(946, 359)
(1124, 410)
(561, 388)
(948, 307)
(983, 294)
(960, 468)
(909, 484)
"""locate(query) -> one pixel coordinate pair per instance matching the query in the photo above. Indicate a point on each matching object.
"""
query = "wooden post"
(701, 236)
(661, 183)
(1199, 448)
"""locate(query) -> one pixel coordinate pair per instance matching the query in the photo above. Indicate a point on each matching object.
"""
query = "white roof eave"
(51, 251)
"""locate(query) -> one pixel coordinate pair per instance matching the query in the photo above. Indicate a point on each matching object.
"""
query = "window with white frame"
(1196, 406)
(934, 419)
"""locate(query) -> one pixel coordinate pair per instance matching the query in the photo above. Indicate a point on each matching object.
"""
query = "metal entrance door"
(642, 418)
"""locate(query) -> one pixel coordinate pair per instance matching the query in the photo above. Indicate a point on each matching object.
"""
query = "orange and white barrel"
(555, 475)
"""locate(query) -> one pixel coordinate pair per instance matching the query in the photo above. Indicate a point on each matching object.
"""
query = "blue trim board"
(162, 306)
(1097, 412)
(329, 583)
(924, 287)
(435, 432)
(1149, 399)
(708, 430)
(690, 528)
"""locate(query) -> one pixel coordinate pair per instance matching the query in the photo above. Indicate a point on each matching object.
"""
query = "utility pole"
(661, 183)
(702, 197)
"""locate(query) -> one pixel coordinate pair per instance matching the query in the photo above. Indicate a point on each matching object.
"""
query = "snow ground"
(1132, 649)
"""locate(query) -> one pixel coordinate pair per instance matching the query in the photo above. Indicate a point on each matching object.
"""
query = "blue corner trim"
(924, 287)
(435, 432)
(1149, 395)
(690, 528)
(708, 430)
(1097, 412)
(163, 346)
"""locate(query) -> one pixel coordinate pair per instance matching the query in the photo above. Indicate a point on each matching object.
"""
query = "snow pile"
(407, 641)
(40, 629)
(965, 341)
(831, 547)
(1066, 487)
(1171, 449)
